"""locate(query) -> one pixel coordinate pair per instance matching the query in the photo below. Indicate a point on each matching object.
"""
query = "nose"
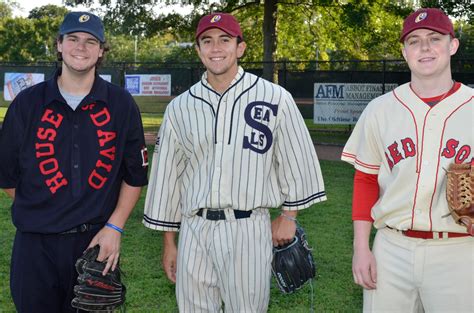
(425, 44)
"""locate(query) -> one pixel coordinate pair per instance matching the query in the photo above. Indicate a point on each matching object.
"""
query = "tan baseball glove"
(459, 193)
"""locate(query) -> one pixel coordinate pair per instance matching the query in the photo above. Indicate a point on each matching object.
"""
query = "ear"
(404, 53)
(59, 46)
(241, 49)
(453, 46)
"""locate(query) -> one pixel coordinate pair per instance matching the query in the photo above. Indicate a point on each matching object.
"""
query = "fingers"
(283, 231)
(170, 270)
(366, 277)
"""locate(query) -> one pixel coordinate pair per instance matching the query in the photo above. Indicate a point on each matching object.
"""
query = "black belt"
(215, 215)
(82, 228)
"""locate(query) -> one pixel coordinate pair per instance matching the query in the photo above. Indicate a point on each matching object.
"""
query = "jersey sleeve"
(162, 203)
(135, 157)
(298, 169)
(11, 133)
(361, 147)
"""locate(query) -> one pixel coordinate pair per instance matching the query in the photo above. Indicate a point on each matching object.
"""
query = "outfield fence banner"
(148, 85)
(16, 82)
(343, 103)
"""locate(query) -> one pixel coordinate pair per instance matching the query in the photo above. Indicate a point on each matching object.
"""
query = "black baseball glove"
(95, 292)
(293, 264)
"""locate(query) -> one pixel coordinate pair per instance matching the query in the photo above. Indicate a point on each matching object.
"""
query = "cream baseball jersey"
(409, 144)
(247, 148)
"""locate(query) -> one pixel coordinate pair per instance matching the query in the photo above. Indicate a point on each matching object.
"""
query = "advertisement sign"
(16, 82)
(343, 103)
(148, 85)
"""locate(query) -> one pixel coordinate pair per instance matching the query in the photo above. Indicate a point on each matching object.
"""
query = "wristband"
(288, 217)
(120, 230)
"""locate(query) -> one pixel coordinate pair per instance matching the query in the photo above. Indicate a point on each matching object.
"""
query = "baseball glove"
(293, 264)
(459, 193)
(95, 292)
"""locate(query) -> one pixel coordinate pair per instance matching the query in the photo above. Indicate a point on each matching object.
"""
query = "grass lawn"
(329, 231)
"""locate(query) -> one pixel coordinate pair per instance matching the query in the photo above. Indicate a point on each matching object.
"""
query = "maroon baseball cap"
(430, 18)
(224, 21)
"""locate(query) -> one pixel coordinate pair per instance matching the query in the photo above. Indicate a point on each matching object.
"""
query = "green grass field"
(329, 230)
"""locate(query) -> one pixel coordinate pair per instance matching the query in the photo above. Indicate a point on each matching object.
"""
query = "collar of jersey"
(239, 74)
(98, 91)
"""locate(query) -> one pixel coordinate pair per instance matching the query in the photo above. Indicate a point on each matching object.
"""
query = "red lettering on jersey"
(52, 118)
(56, 182)
(46, 134)
(408, 147)
(395, 153)
(48, 149)
(100, 164)
(462, 154)
(105, 137)
(52, 163)
(101, 118)
(108, 153)
(96, 180)
(390, 163)
(88, 107)
(450, 149)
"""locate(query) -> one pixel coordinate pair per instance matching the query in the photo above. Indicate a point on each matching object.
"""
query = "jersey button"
(76, 166)
(76, 145)
(76, 126)
(417, 212)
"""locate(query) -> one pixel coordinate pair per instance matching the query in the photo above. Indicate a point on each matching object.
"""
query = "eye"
(413, 41)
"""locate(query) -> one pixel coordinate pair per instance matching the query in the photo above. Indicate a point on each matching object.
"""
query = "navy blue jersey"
(67, 166)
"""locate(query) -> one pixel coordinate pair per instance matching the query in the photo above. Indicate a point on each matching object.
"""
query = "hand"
(170, 253)
(364, 268)
(283, 231)
(109, 241)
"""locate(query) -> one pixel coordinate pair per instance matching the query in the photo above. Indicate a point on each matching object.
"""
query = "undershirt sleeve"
(366, 194)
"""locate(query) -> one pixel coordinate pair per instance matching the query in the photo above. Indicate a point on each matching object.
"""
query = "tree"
(48, 11)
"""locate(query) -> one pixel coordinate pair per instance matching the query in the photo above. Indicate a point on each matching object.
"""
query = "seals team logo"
(84, 18)
(215, 18)
(256, 114)
(421, 17)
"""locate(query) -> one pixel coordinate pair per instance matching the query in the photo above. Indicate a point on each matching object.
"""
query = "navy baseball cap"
(83, 22)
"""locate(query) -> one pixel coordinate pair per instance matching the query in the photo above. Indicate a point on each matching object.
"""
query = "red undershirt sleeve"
(366, 194)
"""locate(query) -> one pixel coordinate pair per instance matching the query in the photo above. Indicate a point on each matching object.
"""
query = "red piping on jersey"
(359, 162)
(439, 156)
(418, 155)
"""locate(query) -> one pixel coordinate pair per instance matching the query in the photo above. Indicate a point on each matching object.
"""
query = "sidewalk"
(324, 151)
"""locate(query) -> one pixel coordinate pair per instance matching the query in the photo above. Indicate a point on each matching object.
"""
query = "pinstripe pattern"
(247, 149)
(222, 267)
(200, 161)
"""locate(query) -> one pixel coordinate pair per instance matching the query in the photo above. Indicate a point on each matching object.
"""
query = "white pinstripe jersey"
(247, 148)
(408, 144)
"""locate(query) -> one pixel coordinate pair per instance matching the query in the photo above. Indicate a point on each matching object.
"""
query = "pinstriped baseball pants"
(224, 265)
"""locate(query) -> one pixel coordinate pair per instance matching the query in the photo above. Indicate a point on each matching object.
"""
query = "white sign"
(16, 82)
(106, 77)
(343, 103)
(148, 85)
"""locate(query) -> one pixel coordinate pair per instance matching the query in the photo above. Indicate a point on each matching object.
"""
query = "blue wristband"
(120, 230)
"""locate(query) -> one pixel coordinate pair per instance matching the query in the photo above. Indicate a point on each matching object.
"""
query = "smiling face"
(80, 52)
(219, 53)
(428, 53)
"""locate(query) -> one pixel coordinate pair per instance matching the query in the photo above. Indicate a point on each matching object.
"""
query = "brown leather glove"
(459, 193)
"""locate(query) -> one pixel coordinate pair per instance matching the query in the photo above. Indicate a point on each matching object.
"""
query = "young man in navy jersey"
(73, 159)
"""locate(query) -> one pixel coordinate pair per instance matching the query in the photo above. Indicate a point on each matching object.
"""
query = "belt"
(429, 234)
(215, 215)
(82, 228)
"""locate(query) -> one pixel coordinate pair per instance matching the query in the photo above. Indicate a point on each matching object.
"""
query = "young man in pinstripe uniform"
(229, 148)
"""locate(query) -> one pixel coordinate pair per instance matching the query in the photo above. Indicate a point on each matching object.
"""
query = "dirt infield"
(324, 151)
